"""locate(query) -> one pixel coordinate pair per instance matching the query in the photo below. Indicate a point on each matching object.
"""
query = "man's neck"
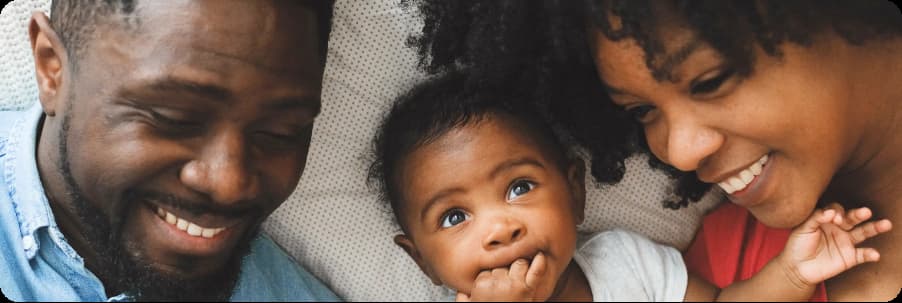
(48, 160)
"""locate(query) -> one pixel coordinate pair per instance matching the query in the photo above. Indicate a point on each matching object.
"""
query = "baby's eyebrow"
(438, 197)
(509, 164)
(498, 169)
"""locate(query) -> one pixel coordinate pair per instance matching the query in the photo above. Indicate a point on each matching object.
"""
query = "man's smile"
(177, 232)
(187, 226)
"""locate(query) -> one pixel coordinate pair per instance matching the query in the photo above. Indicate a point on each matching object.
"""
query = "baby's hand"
(824, 246)
(517, 283)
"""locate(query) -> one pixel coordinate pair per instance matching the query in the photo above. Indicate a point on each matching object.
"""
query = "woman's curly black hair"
(543, 44)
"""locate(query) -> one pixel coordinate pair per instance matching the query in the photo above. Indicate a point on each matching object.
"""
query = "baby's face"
(481, 197)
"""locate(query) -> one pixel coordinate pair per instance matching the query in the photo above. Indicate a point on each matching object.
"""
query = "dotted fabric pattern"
(339, 229)
(333, 223)
(18, 87)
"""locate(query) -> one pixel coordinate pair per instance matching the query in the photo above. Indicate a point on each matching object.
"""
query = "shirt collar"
(23, 180)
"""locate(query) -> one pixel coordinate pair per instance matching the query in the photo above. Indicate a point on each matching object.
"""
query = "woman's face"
(772, 139)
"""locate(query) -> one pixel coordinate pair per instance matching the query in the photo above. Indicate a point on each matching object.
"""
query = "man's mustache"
(200, 206)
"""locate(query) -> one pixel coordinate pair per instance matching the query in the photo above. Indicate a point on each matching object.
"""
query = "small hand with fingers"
(825, 244)
(518, 282)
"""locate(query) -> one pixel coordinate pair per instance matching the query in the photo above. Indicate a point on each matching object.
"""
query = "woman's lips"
(758, 188)
(739, 182)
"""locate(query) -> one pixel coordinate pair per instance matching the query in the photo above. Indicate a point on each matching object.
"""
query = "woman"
(784, 105)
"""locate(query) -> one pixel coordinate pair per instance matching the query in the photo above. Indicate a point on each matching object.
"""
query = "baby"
(488, 201)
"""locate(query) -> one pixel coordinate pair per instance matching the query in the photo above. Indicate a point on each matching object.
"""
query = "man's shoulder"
(8, 117)
(13, 263)
(7, 120)
(269, 273)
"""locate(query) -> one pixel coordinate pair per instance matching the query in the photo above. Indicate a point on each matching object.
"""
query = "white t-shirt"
(624, 266)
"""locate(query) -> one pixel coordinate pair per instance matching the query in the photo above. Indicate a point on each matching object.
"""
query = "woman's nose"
(684, 143)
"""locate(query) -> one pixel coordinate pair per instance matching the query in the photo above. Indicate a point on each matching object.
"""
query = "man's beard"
(133, 274)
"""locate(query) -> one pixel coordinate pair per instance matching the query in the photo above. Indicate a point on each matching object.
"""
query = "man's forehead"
(275, 35)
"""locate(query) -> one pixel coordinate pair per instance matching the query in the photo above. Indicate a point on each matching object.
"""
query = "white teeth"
(171, 219)
(736, 183)
(208, 232)
(755, 169)
(188, 227)
(746, 176)
(194, 230)
(181, 224)
(726, 187)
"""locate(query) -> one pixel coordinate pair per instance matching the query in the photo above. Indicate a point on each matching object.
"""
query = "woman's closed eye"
(519, 188)
(454, 217)
(704, 86)
(641, 112)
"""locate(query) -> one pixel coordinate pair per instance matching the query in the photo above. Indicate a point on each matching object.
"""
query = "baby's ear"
(404, 242)
(576, 177)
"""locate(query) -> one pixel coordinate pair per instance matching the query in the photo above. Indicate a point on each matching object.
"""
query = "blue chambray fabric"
(37, 264)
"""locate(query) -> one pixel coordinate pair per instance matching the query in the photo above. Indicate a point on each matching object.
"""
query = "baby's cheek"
(460, 282)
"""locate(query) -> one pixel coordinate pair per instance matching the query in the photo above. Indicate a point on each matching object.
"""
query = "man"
(166, 133)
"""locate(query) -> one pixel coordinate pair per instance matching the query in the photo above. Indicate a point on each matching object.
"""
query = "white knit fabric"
(333, 223)
(18, 88)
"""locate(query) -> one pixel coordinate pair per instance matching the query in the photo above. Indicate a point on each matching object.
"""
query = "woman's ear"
(405, 243)
(576, 177)
(49, 61)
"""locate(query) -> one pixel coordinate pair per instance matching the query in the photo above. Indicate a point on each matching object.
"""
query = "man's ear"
(404, 242)
(50, 58)
(576, 177)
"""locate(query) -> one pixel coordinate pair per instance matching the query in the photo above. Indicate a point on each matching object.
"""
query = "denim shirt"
(37, 264)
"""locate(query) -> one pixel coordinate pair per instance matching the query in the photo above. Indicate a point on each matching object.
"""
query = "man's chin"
(187, 274)
(188, 279)
(149, 283)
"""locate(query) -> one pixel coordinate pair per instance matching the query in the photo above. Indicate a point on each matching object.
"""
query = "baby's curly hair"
(544, 44)
(439, 105)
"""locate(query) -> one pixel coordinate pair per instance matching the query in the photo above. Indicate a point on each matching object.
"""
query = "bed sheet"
(333, 223)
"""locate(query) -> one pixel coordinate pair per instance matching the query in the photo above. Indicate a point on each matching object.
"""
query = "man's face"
(188, 128)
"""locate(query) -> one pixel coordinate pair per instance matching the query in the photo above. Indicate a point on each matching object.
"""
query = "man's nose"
(223, 171)
(685, 143)
(503, 230)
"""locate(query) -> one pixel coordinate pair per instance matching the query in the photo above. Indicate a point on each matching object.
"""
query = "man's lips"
(193, 229)
(204, 234)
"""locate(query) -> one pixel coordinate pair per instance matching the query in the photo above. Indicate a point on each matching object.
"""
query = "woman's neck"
(873, 178)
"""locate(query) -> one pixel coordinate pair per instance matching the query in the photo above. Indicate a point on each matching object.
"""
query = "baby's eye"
(454, 217)
(519, 188)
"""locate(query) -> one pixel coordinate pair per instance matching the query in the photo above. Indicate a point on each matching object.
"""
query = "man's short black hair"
(75, 20)
(433, 108)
